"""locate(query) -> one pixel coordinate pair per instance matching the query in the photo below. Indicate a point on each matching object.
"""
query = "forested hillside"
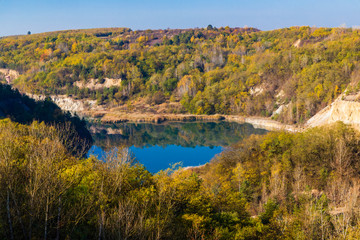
(214, 70)
(276, 186)
(22, 109)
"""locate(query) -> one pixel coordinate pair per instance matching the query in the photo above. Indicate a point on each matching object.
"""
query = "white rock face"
(67, 103)
(298, 43)
(270, 124)
(256, 91)
(340, 110)
(93, 84)
(9, 74)
(279, 110)
(71, 105)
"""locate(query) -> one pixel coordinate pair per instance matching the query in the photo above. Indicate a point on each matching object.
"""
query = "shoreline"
(257, 122)
(81, 108)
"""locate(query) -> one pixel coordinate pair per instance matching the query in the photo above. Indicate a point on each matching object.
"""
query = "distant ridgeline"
(22, 109)
(289, 74)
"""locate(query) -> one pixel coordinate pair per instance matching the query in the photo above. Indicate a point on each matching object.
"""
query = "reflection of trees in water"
(183, 134)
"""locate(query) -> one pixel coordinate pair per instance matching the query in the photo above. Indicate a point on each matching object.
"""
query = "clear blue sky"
(20, 16)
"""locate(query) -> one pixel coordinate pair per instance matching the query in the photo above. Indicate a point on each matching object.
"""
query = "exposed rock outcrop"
(68, 104)
(340, 110)
(256, 90)
(268, 124)
(298, 43)
(279, 110)
(94, 84)
(10, 75)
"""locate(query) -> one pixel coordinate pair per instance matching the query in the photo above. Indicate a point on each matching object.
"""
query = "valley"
(266, 124)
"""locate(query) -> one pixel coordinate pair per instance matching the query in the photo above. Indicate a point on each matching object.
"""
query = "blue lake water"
(157, 158)
(158, 146)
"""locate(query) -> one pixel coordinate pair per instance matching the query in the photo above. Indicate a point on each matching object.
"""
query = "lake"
(158, 146)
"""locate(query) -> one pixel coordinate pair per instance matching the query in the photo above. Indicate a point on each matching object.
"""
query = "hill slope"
(201, 71)
(22, 109)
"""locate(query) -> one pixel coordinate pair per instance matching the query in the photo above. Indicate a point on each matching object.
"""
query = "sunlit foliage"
(224, 70)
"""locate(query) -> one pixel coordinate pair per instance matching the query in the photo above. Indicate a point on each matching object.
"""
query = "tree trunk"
(46, 217)
(18, 214)
(58, 220)
(101, 220)
(9, 215)
(101, 223)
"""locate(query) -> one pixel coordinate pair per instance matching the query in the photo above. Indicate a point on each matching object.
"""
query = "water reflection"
(181, 134)
(159, 145)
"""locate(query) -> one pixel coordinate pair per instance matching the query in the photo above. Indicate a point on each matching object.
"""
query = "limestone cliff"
(68, 104)
(340, 110)
(12, 74)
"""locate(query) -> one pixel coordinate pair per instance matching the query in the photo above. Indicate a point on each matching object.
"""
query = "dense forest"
(206, 70)
(275, 186)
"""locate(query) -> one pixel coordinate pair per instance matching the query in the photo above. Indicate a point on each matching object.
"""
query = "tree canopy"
(219, 70)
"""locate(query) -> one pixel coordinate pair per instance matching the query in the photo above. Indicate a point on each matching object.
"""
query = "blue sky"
(20, 16)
